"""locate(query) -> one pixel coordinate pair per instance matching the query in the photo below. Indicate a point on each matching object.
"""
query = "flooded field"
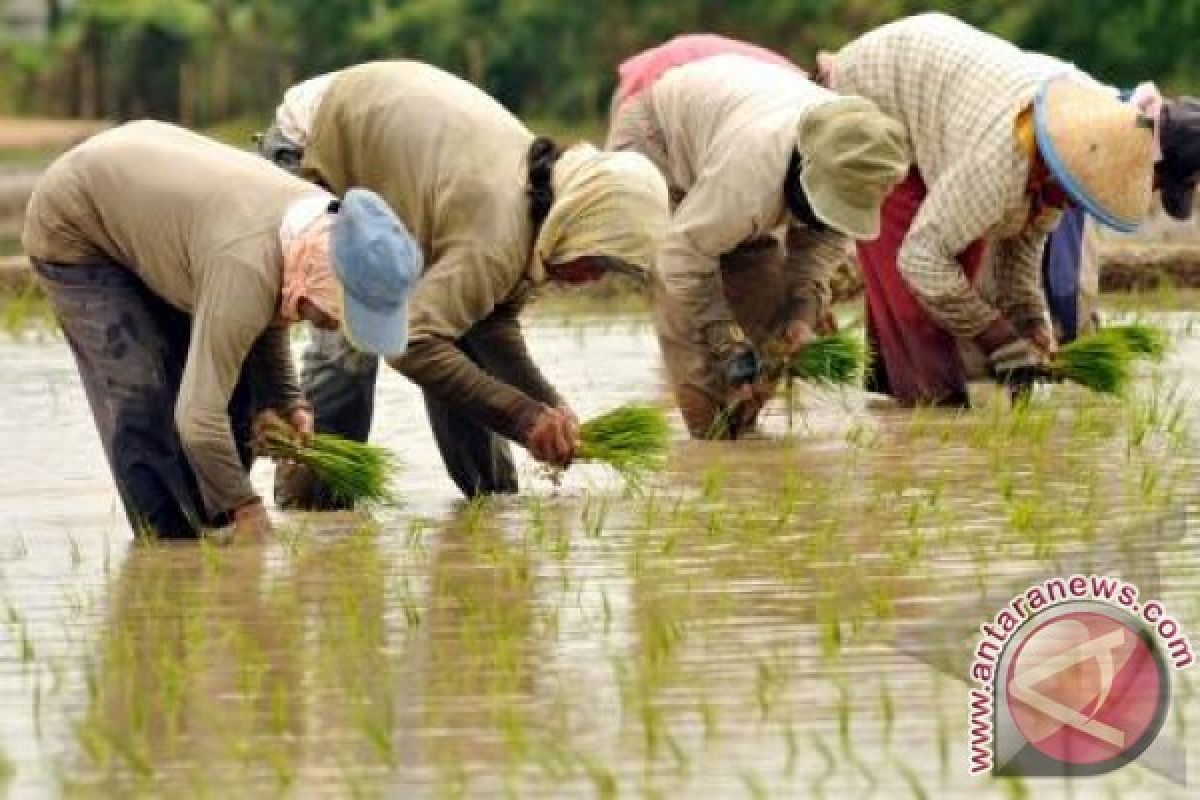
(792, 616)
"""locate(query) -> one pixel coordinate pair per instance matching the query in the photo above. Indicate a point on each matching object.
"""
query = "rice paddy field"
(789, 616)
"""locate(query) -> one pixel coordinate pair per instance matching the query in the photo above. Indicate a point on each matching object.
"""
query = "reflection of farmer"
(174, 265)
(174, 654)
(1070, 266)
(768, 171)
(497, 212)
(1003, 141)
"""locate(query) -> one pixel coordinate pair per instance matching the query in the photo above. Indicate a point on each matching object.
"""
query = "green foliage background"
(206, 62)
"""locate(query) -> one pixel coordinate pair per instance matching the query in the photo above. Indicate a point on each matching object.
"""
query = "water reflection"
(789, 617)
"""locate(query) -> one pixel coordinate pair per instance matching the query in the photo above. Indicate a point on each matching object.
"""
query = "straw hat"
(1099, 149)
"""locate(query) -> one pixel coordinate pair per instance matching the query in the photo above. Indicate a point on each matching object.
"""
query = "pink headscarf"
(308, 271)
(1147, 99)
(641, 72)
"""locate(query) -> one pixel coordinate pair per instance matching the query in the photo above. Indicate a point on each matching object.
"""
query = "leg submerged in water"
(478, 460)
(130, 348)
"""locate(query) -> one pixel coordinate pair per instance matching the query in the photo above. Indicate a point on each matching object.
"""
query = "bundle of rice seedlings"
(355, 472)
(838, 359)
(1142, 340)
(1100, 362)
(630, 439)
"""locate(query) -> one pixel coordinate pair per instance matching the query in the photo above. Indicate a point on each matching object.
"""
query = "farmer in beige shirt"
(174, 265)
(769, 174)
(1002, 140)
(497, 212)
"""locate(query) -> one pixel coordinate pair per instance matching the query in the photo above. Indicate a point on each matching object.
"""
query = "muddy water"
(787, 617)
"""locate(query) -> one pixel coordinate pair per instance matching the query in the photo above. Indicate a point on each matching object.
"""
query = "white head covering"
(605, 204)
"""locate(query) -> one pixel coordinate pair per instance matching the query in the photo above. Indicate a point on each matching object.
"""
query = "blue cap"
(378, 263)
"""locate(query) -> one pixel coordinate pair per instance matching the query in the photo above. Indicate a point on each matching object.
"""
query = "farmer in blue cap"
(175, 265)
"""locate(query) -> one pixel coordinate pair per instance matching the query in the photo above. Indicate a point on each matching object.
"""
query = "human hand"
(799, 334)
(303, 422)
(554, 438)
(250, 522)
(1042, 336)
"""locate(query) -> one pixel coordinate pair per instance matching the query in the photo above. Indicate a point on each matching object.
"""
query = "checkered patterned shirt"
(959, 91)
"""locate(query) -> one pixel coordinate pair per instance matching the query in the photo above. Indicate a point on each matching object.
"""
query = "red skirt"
(915, 360)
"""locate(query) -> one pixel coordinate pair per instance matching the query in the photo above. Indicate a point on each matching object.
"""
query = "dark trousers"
(339, 382)
(130, 348)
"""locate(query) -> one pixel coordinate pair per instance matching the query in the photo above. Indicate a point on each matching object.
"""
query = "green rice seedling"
(1144, 340)
(838, 359)
(630, 439)
(604, 780)
(792, 744)
(829, 761)
(887, 713)
(1015, 787)
(356, 472)
(915, 788)
(754, 785)
(1098, 362)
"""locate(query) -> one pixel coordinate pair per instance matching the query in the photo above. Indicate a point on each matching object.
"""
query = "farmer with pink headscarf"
(769, 175)
(175, 265)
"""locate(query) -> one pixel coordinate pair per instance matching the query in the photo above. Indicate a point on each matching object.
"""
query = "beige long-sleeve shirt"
(728, 130)
(959, 92)
(451, 162)
(199, 224)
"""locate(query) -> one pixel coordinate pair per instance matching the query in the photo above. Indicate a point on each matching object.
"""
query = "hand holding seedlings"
(356, 472)
(837, 359)
(554, 438)
(250, 522)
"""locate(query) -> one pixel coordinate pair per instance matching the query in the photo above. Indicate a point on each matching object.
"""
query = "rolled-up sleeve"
(460, 290)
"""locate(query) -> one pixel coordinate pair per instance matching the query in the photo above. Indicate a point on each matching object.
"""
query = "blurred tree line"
(205, 61)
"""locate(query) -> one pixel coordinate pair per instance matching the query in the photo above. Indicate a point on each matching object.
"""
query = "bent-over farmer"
(1070, 266)
(1003, 141)
(769, 174)
(174, 265)
(497, 212)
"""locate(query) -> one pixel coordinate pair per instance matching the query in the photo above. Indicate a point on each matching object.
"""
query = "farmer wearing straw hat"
(1070, 265)
(497, 212)
(174, 265)
(1003, 140)
(769, 174)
